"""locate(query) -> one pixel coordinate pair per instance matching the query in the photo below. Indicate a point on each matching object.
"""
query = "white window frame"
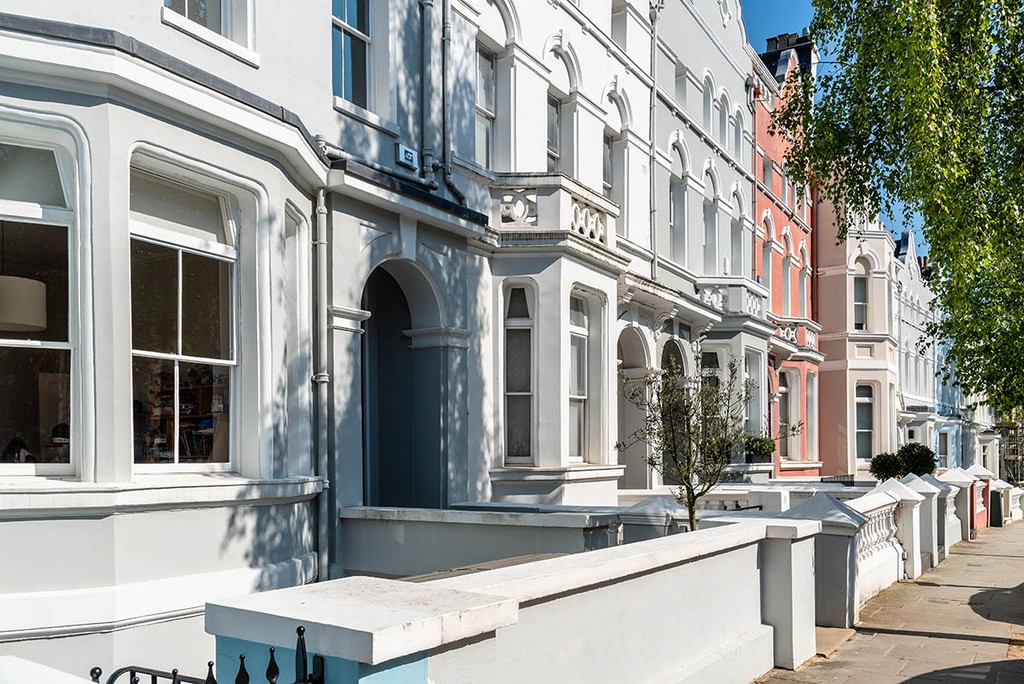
(46, 216)
(337, 65)
(554, 146)
(870, 400)
(786, 395)
(520, 324)
(583, 333)
(182, 243)
(861, 307)
(677, 219)
(484, 114)
(608, 174)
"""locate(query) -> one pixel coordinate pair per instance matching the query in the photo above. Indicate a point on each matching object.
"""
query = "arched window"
(787, 277)
(766, 258)
(737, 142)
(803, 292)
(519, 317)
(860, 295)
(710, 226)
(677, 219)
(736, 241)
(709, 98)
(723, 121)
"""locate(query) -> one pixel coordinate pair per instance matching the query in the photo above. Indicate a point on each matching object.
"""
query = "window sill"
(41, 498)
(211, 38)
(365, 116)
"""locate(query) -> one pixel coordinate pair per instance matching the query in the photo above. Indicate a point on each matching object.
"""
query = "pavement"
(962, 622)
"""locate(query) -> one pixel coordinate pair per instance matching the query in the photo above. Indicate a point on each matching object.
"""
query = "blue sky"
(767, 18)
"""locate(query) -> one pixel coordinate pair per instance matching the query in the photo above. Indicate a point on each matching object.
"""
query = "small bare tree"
(693, 423)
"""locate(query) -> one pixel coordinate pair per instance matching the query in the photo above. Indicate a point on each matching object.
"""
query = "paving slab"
(962, 622)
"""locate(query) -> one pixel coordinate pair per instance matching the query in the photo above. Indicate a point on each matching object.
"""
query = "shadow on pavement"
(1004, 604)
(996, 672)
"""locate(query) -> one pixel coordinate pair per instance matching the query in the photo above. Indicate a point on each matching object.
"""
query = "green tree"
(917, 459)
(886, 465)
(920, 102)
(693, 424)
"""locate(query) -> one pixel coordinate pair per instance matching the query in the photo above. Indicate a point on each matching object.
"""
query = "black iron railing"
(138, 674)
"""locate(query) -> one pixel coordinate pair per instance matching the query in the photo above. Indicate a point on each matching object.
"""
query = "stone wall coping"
(981, 472)
(565, 574)
(899, 490)
(921, 486)
(574, 519)
(958, 477)
(363, 619)
(872, 501)
(946, 489)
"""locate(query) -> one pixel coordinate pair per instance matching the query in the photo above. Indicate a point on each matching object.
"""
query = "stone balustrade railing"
(733, 295)
(879, 532)
(552, 203)
(798, 332)
(1016, 512)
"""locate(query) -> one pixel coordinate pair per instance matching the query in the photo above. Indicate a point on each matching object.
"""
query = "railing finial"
(210, 679)
(301, 671)
(273, 671)
(95, 674)
(243, 676)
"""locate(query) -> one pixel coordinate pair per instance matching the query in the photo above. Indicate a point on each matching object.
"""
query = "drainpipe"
(321, 380)
(446, 39)
(427, 130)
(655, 7)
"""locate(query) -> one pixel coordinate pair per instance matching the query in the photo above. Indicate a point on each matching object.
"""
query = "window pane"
(577, 312)
(860, 290)
(864, 391)
(485, 82)
(153, 410)
(553, 125)
(709, 360)
(483, 140)
(577, 420)
(606, 161)
(864, 445)
(176, 5)
(205, 12)
(864, 417)
(355, 71)
(203, 422)
(154, 297)
(578, 365)
(518, 358)
(517, 305)
(357, 15)
(28, 174)
(338, 61)
(518, 410)
(176, 207)
(205, 307)
(35, 405)
(30, 255)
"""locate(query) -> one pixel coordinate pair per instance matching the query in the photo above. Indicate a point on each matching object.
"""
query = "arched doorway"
(633, 366)
(403, 451)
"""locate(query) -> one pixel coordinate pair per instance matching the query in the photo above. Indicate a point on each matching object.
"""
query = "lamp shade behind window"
(22, 304)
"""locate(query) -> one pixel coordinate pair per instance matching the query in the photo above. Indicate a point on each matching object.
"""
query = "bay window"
(38, 329)
(579, 334)
(183, 317)
(518, 377)
(865, 421)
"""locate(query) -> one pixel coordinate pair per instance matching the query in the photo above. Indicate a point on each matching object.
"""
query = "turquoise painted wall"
(409, 670)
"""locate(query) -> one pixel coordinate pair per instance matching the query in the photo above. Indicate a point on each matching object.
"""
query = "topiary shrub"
(917, 458)
(886, 465)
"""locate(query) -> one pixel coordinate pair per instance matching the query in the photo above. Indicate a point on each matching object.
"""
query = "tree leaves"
(923, 107)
